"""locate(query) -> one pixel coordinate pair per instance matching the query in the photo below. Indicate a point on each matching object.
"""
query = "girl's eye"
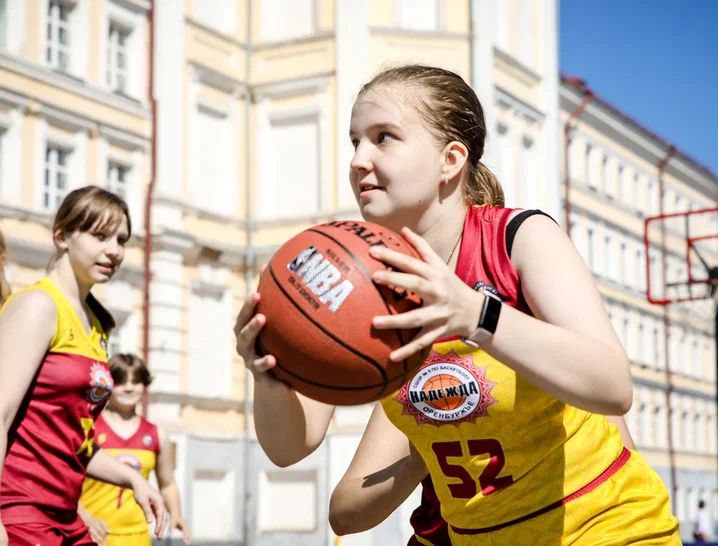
(355, 143)
(99, 236)
(383, 138)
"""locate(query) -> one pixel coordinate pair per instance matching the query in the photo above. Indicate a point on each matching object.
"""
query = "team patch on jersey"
(447, 389)
(130, 460)
(147, 440)
(100, 383)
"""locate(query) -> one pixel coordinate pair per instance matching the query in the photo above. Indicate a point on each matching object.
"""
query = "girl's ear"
(60, 240)
(455, 155)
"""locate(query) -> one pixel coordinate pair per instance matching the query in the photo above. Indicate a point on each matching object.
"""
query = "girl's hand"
(176, 522)
(3, 535)
(246, 329)
(450, 306)
(151, 503)
(98, 528)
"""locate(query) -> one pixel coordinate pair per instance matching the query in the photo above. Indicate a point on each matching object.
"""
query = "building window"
(419, 14)
(212, 181)
(590, 242)
(58, 34)
(297, 139)
(3, 23)
(56, 170)
(116, 73)
(117, 176)
(286, 19)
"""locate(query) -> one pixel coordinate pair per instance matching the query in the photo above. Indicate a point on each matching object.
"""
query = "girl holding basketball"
(510, 310)
(54, 381)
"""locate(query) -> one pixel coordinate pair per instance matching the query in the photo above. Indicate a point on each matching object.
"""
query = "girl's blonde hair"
(90, 209)
(453, 113)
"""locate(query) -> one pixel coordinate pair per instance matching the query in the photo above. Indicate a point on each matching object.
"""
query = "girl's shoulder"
(37, 300)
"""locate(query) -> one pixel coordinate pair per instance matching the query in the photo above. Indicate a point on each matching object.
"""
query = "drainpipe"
(249, 266)
(587, 97)
(148, 204)
(666, 326)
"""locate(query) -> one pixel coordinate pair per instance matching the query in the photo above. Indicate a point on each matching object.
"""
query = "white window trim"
(115, 29)
(49, 192)
(53, 24)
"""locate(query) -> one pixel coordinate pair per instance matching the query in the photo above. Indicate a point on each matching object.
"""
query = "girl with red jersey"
(55, 381)
(525, 454)
(109, 511)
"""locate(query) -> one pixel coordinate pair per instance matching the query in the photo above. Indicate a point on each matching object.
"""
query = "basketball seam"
(337, 387)
(361, 266)
(349, 348)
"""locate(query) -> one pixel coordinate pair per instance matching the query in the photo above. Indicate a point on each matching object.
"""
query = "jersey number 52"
(489, 479)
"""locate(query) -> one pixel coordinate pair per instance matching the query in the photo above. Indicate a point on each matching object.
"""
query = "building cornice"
(529, 113)
(418, 33)
(529, 74)
(73, 85)
(263, 46)
(630, 134)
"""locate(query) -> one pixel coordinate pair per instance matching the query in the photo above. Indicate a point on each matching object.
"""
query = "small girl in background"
(109, 511)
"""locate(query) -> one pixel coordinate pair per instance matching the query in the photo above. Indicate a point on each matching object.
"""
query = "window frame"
(51, 169)
(57, 54)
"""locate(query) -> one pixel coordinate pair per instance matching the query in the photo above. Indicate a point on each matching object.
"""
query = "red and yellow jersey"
(114, 505)
(497, 447)
(51, 439)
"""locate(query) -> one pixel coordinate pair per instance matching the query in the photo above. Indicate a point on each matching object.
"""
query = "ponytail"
(482, 187)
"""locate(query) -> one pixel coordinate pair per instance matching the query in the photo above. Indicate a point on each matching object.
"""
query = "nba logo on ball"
(447, 389)
(321, 277)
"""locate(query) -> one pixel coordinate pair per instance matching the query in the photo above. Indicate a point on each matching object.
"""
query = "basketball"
(319, 299)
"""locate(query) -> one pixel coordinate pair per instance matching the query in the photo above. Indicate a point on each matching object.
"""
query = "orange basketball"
(319, 299)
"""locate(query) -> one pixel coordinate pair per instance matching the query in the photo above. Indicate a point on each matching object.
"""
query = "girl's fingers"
(248, 335)
(401, 261)
(247, 310)
(422, 340)
(408, 281)
(261, 365)
(422, 247)
(416, 318)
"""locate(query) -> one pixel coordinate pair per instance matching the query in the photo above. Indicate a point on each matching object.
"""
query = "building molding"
(503, 56)
(68, 83)
(636, 138)
(503, 97)
(295, 86)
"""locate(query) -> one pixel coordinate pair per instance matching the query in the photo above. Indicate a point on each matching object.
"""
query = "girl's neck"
(443, 230)
(64, 276)
(122, 412)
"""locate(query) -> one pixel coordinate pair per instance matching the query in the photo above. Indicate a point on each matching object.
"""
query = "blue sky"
(656, 60)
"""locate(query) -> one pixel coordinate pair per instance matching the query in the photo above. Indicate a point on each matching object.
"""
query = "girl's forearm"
(575, 368)
(170, 493)
(105, 468)
(289, 427)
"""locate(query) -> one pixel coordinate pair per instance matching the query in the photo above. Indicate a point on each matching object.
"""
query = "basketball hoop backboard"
(681, 256)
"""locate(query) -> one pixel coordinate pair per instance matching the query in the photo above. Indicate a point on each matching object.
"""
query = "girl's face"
(96, 255)
(396, 169)
(129, 393)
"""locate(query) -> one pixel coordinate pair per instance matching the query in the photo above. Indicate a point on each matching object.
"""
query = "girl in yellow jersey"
(110, 512)
(507, 412)
(510, 413)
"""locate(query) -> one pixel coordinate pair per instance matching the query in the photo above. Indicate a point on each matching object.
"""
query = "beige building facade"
(615, 176)
(235, 115)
